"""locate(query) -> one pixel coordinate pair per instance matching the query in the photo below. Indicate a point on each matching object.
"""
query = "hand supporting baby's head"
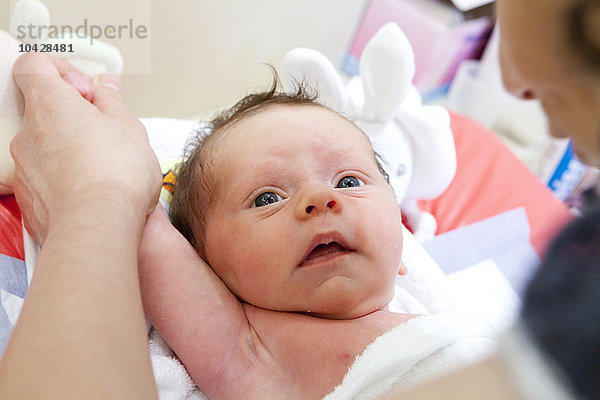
(287, 203)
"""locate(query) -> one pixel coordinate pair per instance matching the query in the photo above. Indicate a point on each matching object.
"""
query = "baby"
(296, 240)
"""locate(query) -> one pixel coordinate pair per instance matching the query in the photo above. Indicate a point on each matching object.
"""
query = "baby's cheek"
(390, 229)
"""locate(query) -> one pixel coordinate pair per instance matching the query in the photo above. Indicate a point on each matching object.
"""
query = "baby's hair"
(194, 184)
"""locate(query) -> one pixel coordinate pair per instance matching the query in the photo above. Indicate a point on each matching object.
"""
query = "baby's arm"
(189, 305)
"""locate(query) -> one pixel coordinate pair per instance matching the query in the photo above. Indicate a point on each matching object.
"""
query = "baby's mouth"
(325, 249)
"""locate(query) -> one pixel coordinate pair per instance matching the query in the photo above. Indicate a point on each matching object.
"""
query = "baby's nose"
(316, 199)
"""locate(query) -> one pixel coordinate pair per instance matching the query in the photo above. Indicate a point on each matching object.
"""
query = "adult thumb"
(38, 77)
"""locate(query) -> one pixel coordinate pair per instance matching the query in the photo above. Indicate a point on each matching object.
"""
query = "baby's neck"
(317, 352)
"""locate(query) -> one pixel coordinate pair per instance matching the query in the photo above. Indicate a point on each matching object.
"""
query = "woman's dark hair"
(583, 20)
(561, 307)
(193, 189)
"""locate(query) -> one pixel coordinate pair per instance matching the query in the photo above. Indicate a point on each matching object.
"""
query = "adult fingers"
(39, 77)
(107, 97)
(64, 67)
(73, 76)
(82, 83)
(33, 71)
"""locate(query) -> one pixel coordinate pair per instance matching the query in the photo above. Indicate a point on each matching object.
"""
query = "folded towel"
(414, 352)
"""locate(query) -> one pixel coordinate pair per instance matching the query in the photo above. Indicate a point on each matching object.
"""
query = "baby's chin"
(345, 308)
(349, 302)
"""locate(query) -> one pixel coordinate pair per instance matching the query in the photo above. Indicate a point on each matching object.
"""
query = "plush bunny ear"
(90, 59)
(387, 67)
(309, 66)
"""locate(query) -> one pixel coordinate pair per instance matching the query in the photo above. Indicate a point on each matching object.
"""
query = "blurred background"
(206, 54)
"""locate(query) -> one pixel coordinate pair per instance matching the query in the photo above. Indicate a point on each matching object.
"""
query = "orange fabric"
(490, 180)
(11, 233)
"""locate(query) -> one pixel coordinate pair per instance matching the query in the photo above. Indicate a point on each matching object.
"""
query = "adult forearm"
(85, 291)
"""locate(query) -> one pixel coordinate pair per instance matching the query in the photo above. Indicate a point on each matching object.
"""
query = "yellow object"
(167, 167)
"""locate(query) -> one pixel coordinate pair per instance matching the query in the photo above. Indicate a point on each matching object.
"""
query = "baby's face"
(301, 218)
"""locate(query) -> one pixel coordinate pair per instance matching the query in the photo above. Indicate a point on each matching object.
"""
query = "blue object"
(567, 175)
(13, 279)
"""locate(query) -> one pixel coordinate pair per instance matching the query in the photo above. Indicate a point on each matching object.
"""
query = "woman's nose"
(514, 83)
(316, 199)
(523, 93)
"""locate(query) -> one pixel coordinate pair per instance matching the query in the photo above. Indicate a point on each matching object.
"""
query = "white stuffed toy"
(90, 59)
(414, 140)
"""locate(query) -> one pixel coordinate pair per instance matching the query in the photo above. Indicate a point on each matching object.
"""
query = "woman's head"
(550, 50)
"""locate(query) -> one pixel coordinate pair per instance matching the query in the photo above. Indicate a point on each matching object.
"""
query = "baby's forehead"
(279, 139)
(299, 122)
(282, 138)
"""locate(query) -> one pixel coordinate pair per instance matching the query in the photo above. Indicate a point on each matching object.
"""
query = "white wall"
(205, 54)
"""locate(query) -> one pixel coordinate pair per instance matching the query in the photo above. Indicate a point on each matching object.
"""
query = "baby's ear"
(402, 270)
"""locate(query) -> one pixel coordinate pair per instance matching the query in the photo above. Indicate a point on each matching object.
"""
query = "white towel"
(414, 352)
(172, 380)
(424, 289)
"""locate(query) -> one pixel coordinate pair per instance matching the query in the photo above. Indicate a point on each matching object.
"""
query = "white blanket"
(414, 352)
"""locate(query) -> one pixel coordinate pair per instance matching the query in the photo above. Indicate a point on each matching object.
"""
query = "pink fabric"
(490, 180)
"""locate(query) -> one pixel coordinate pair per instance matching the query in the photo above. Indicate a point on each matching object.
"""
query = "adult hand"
(71, 153)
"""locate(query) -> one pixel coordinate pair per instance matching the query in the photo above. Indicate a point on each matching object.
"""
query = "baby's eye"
(349, 182)
(266, 198)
